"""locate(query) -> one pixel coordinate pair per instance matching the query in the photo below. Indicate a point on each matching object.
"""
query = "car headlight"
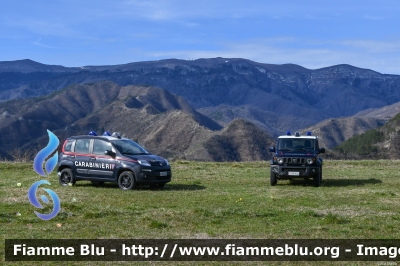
(166, 161)
(280, 160)
(144, 163)
(309, 160)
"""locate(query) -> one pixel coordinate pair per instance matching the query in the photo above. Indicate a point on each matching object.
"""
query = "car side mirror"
(321, 150)
(272, 149)
(109, 152)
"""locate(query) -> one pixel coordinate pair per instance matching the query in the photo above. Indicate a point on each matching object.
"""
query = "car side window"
(82, 146)
(68, 145)
(100, 146)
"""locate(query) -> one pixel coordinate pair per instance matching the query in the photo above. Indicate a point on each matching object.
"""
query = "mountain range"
(162, 122)
(215, 97)
(377, 143)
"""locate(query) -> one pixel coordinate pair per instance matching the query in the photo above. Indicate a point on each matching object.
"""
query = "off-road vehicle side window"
(82, 146)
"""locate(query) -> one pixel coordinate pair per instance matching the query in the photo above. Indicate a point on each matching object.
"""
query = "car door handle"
(92, 158)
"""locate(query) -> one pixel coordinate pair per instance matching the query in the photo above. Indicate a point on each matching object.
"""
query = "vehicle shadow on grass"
(337, 182)
(169, 187)
(350, 182)
(181, 187)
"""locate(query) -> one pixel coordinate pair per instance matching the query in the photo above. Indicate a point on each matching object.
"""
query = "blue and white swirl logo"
(43, 157)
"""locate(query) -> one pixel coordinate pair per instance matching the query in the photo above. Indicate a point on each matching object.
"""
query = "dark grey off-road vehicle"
(296, 157)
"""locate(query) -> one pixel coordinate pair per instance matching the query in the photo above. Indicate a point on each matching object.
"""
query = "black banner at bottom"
(201, 250)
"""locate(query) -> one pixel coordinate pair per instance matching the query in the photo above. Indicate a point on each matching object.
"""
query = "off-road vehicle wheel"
(272, 178)
(318, 178)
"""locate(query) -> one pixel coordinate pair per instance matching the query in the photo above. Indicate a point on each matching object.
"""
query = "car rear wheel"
(66, 177)
(126, 180)
(272, 178)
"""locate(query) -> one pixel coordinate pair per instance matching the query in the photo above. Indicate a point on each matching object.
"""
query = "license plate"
(294, 173)
(163, 173)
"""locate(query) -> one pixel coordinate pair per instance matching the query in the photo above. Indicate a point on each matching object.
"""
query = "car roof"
(96, 137)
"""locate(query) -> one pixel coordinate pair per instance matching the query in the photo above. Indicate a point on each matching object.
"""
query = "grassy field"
(357, 199)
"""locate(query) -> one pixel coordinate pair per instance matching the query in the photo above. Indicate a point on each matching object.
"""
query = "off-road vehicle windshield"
(296, 144)
(128, 147)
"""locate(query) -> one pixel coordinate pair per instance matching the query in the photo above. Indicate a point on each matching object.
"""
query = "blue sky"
(310, 33)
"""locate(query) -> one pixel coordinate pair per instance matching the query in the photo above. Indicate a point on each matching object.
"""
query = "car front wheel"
(66, 177)
(126, 180)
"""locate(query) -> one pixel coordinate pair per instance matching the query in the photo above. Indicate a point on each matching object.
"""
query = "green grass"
(358, 199)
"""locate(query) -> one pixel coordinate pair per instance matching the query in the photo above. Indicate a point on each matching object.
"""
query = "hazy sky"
(310, 33)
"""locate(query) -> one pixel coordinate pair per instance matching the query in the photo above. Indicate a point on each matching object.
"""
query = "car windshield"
(296, 144)
(129, 147)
